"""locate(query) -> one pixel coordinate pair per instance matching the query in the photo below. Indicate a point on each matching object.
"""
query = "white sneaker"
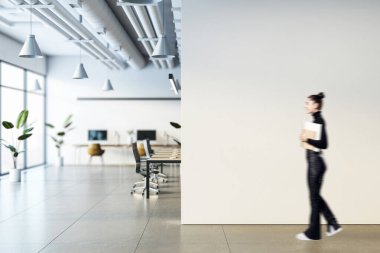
(302, 237)
(333, 231)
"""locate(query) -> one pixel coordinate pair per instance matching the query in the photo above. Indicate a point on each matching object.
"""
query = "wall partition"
(17, 91)
(242, 114)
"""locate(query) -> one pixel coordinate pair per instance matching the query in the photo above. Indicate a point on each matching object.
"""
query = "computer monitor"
(146, 134)
(97, 135)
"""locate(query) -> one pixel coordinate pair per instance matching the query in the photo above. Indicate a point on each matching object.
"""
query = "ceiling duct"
(148, 45)
(74, 3)
(83, 32)
(158, 26)
(59, 25)
(144, 25)
(148, 28)
(71, 28)
(98, 14)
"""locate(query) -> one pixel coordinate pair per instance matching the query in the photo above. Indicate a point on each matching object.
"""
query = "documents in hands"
(312, 131)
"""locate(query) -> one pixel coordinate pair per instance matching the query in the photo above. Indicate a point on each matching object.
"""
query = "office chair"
(151, 151)
(141, 169)
(148, 154)
(95, 150)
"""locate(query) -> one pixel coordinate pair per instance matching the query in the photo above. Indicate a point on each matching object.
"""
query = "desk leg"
(75, 155)
(162, 168)
(126, 155)
(147, 179)
(79, 154)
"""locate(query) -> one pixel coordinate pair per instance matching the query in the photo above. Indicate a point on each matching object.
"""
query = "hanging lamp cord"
(163, 22)
(163, 18)
(31, 9)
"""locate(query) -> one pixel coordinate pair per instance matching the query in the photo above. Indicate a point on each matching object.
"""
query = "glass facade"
(16, 93)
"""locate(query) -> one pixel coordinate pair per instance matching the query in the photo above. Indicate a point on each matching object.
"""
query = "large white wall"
(9, 50)
(120, 116)
(247, 67)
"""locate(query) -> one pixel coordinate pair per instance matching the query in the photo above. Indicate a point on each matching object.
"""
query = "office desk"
(126, 147)
(173, 157)
(122, 146)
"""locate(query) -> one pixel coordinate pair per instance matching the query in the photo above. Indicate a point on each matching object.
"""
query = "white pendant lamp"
(80, 72)
(107, 85)
(37, 86)
(162, 50)
(30, 49)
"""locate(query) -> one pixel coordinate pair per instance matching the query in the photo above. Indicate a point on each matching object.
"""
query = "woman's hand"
(303, 136)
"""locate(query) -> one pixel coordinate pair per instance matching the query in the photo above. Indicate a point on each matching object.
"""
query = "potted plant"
(14, 145)
(177, 126)
(131, 135)
(58, 137)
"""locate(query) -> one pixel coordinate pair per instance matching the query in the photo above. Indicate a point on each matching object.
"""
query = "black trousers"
(316, 170)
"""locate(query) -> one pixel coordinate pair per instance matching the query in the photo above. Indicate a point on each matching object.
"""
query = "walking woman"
(316, 170)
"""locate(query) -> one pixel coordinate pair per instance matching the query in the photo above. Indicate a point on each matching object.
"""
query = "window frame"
(25, 103)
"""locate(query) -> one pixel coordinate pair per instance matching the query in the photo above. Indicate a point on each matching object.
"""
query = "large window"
(35, 104)
(16, 93)
(12, 102)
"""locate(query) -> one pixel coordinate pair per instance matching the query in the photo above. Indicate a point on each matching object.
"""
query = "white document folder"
(313, 131)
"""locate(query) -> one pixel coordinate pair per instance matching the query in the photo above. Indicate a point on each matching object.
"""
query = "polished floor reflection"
(90, 209)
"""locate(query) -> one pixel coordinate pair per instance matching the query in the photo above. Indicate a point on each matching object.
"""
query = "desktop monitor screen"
(97, 135)
(146, 134)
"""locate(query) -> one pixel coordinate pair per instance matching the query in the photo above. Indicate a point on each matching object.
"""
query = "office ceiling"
(112, 45)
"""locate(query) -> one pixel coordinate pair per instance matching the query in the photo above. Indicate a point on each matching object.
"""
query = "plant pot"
(59, 161)
(14, 175)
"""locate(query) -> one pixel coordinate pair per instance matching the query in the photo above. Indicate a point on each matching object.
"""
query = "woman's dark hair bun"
(321, 95)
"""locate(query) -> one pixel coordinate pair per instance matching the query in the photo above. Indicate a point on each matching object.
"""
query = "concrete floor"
(90, 209)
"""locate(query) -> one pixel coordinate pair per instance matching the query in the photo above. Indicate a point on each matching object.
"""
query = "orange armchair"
(95, 150)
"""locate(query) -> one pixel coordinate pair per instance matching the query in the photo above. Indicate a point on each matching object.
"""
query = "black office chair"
(148, 155)
(142, 170)
(151, 151)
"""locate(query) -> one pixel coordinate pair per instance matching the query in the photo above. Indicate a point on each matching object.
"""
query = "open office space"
(189, 126)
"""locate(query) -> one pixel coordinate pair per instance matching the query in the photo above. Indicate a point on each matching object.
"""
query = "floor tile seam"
(146, 225)
(36, 204)
(150, 216)
(80, 217)
(225, 236)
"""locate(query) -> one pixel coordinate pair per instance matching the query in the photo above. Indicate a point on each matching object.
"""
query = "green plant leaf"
(68, 119)
(178, 142)
(70, 129)
(10, 147)
(28, 130)
(68, 124)
(57, 146)
(60, 143)
(54, 139)
(22, 118)
(2, 140)
(29, 125)
(7, 125)
(175, 125)
(24, 137)
(49, 125)
(17, 153)
(61, 133)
